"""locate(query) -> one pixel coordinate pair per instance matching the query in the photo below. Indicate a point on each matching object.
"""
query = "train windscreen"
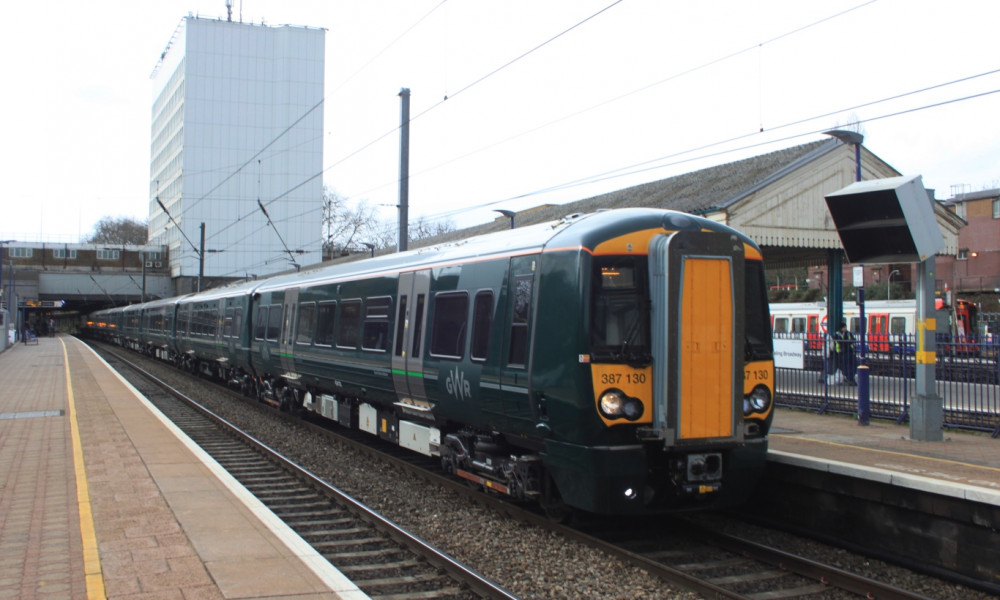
(758, 321)
(620, 311)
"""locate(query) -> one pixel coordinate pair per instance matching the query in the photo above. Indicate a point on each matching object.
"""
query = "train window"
(617, 277)
(759, 343)
(324, 324)
(451, 313)
(375, 331)
(273, 323)
(214, 319)
(619, 314)
(897, 325)
(227, 324)
(400, 325)
(482, 324)
(349, 329)
(194, 321)
(260, 327)
(519, 321)
(798, 324)
(780, 324)
(418, 326)
(237, 321)
(288, 323)
(168, 322)
(307, 323)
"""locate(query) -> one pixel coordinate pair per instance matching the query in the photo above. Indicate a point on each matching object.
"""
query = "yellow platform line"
(91, 557)
(883, 451)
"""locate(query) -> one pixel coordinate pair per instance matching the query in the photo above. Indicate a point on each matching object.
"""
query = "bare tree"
(119, 231)
(346, 229)
(423, 229)
(349, 230)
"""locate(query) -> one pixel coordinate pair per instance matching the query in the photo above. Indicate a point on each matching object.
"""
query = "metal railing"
(967, 379)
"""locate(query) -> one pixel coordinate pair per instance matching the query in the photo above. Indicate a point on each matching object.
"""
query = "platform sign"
(789, 354)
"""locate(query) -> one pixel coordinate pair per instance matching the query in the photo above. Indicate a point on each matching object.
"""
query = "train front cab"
(691, 423)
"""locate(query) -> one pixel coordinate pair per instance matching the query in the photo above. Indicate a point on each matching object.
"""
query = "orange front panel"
(706, 370)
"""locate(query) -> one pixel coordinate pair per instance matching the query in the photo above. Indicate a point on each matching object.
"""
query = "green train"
(618, 362)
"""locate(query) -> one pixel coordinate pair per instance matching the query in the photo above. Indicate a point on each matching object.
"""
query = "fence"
(967, 378)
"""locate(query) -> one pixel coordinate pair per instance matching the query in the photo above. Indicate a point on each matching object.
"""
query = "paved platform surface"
(99, 498)
(963, 464)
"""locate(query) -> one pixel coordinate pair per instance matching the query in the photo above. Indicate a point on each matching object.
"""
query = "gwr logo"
(457, 385)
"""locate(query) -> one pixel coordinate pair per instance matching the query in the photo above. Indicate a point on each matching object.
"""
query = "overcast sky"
(547, 101)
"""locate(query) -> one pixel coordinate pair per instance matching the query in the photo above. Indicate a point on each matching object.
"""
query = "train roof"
(577, 231)
(574, 231)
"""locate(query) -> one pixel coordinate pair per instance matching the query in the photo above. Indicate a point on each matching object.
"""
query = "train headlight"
(758, 401)
(614, 404)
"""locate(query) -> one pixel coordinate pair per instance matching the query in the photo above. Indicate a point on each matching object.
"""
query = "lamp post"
(507, 213)
(864, 404)
(888, 288)
(2, 244)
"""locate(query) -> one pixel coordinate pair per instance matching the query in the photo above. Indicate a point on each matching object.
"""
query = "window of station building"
(63, 253)
(349, 328)
(324, 323)
(108, 254)
(307, 323)
(375, 331)
(448, 329)
(482, 324)
(996, 209)
(273, 323)
(20, 252)
(150, 255)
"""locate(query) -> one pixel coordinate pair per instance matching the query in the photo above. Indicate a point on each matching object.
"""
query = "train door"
(813, 333)
(878, 332)
(411, 323)
(697, 282)
(515, 357)
(286, 339)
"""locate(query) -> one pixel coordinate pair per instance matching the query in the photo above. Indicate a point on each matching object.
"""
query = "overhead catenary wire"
(395, 129)
(642, 166)
(646, 166)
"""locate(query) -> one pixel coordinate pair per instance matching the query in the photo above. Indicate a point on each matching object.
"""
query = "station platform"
(963, 465)
(99, 498)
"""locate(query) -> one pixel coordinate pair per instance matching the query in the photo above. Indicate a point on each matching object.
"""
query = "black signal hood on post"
(886, 221)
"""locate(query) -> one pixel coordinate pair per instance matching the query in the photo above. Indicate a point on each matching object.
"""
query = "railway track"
(384, 560)
(682, 553)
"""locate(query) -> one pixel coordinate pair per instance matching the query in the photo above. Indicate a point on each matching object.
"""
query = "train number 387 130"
(618, 378)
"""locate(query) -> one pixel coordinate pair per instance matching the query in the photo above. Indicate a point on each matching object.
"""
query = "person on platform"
(843, 349)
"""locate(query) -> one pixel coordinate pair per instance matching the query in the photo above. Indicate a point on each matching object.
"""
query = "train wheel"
(552, 503)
